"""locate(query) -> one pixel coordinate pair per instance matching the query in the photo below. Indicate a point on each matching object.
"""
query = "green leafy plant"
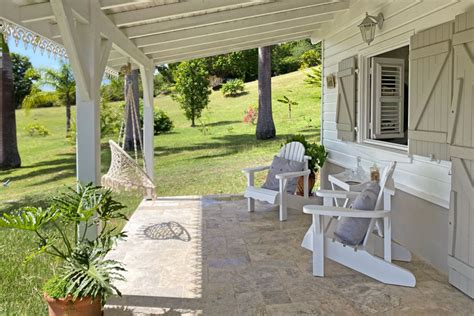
(233, 88)
(316, 151)
(289, 102)
(84, 271)
(36, 130)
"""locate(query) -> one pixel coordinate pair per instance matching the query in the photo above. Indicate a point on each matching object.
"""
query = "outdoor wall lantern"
(368, 25)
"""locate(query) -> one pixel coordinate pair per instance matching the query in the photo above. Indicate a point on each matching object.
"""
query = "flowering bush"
(251, 115)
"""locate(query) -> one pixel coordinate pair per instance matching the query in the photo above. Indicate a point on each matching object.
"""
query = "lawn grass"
(203, 160)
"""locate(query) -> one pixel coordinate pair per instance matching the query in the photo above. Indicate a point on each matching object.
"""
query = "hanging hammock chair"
(126, 173)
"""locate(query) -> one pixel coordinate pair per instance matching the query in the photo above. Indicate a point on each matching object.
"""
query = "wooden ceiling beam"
(180, 10)
(244, 17)
(223, 38)
(237, 45)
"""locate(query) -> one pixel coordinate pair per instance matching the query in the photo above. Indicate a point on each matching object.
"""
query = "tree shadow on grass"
(222, 123)
(231, 144)
(39, 200)
(62, 168)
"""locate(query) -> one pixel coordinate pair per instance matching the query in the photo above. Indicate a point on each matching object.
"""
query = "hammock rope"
(126, 173)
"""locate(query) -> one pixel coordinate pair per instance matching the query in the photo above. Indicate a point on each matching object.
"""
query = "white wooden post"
(147, 75)
(88, 53)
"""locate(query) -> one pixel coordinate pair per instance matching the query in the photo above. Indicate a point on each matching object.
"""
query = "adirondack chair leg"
(250, 201)
(251, 204)
(387, 239)
(318, 246)
(283, 200)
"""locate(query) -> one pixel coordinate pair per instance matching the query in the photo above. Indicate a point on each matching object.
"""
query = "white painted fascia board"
(226, 38)
(228, 49)
(179, 10)
(257, 15)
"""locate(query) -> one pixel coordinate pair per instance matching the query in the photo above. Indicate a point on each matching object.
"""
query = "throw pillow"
(352, 230)
(282, 165)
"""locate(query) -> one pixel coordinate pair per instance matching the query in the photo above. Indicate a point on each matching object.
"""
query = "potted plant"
(84, 279)
(318, 155)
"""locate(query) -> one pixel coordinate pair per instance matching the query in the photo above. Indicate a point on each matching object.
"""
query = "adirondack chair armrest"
(255, 169)
(342, 211)
(306, 158)
(337, 194)
(289, 175)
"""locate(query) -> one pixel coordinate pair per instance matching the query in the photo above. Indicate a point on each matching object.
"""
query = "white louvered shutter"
(387, 98)
(346, 99)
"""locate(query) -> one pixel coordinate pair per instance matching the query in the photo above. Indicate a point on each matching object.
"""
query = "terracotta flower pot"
(69, 307)
(311, 183)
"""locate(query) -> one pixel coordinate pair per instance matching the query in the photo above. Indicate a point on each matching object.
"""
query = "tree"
(9, 156)
(265, 124)
(289, 102)
(62, 81)
(23, 77)
(113, 91)
(192, 88)
(132, 130)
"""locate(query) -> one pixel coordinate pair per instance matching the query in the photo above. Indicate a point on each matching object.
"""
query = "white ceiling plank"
(267, 13)
(225, 50)
(179, 10)
(222, 39)
(108, 4)
(42, 11)
(233, 46)
(122, 44)
(212, 33)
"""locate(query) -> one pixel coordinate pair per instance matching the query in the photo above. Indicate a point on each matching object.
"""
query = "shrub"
(251, 115)
(162, 123)
(37, 130)
(111, 116)
(233, 88)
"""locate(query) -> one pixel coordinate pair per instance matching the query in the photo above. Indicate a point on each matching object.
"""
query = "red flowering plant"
(251, 115)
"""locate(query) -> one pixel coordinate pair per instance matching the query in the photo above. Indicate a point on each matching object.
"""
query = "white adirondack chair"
(365, 258)
(291, 151)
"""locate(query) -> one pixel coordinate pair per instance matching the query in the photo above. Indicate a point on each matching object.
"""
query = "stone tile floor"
(209, 256)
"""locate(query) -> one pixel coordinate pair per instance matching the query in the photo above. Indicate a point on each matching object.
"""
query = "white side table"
(348, 181)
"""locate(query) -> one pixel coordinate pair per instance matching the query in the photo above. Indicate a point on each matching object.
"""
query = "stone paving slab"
(208, 256)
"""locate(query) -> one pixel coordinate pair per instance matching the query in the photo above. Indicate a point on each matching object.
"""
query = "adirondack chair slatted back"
(292, 151)
(386, 176)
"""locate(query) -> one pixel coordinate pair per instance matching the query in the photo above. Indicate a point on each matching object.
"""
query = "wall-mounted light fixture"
(368, 25)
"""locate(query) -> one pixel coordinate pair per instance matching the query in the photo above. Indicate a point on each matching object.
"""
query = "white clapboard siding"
(461, 148)
(431, 87)
(387, 97)
(346, 99)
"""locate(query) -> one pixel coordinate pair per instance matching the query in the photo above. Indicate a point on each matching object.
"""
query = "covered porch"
(208, 255)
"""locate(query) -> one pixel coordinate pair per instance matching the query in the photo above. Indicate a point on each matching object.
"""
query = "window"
(387, 109)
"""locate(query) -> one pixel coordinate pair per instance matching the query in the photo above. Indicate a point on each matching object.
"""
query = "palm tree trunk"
(9, 156)
(132, 78)
(265, 124)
